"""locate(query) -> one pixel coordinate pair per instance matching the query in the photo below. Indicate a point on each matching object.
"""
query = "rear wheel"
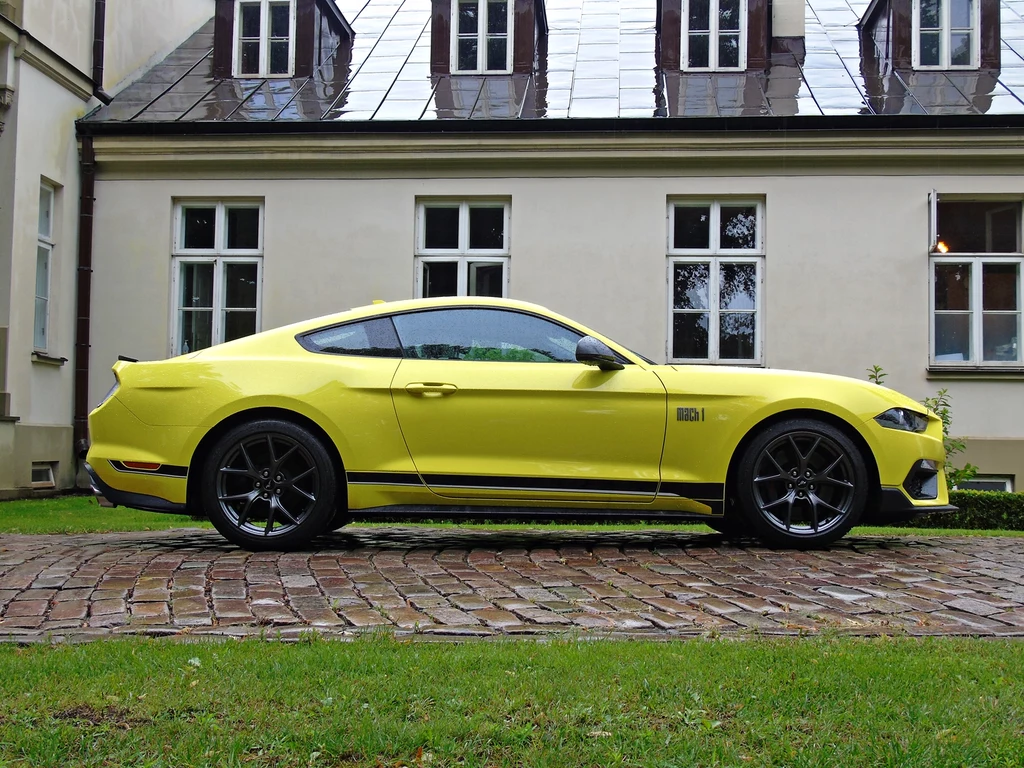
(802, 483)
(269, 484)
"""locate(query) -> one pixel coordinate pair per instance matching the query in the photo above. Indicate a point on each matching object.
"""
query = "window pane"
(739, 227)
(279, 57)
(929, 49)
(45, 212)
(243, 229)
(239, 324)
(467, 53)
(497, 17)
(999, 286)
(39, 332)
(486, 279)
(697, 55)
(691, 227)
(930, 14)
(440, 278)
(240, 286)
(960, 49)
(952, 338)
(736, 341)
(250, 22)
(42, 272)
(486, 335)
(690, 286)
(728, 14)
(487, 228)
(497, 49)
(960, 14)
(738, 289)
(196, 285)
(441, 227)
(699, 15)
(372, 338)
(196, 331)
(1001, 337)
(952, 286)
(468, 17)
(728, 50)
(690, 335)
(279, 20)
(199, 227)
(980, 227)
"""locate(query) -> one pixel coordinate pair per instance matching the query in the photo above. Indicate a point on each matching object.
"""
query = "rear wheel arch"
(870, 464)
(210, 439)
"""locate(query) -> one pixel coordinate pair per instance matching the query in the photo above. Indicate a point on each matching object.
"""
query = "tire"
(802, 484)
(269, 484)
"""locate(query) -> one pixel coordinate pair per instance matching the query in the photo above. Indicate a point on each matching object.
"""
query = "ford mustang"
(498, 409)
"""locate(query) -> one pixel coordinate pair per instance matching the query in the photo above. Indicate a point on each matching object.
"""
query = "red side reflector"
(148, 466)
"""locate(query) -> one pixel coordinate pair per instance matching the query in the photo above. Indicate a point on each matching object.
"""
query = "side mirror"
(590, 351)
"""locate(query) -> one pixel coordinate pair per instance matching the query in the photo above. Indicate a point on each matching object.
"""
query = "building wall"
(138, 34)
(846, 271)
(63, 26)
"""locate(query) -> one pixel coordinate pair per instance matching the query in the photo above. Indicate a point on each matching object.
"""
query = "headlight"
(904, 419)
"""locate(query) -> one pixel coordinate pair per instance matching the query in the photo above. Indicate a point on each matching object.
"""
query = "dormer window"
(264, 35)
(946, 34)
(482, 41)
(714, 34)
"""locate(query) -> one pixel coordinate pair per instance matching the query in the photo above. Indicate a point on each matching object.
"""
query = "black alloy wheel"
(802, 483)
(269, 484)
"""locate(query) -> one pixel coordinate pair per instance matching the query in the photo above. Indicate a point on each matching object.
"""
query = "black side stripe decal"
(384, 478)
(166, 470)
(699, 491)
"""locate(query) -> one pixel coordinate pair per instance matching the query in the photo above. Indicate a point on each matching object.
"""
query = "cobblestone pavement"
(466, 581)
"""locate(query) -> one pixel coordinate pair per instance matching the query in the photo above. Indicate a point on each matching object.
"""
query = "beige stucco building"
(826, 186)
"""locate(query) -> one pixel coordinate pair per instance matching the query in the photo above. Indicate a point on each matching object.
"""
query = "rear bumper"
(132, 500)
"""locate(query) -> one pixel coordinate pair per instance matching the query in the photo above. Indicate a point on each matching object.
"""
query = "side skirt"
(519, 514)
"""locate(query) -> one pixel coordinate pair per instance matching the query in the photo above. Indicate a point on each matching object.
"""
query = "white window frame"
(713, 40)
(945, 31)
(264, 68)
(715, 256)
(219, 256)
(44, 242)
(481, 40)
(462, 254)
(1006, 480)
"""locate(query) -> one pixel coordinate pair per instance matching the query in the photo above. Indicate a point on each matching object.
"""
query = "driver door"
(492, 404)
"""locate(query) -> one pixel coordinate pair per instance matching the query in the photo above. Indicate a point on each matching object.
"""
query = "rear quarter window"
(366, 338)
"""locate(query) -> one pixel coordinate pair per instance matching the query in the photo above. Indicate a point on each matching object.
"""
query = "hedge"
(978, 509)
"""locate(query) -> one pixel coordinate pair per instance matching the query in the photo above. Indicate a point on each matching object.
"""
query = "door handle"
(430, 389)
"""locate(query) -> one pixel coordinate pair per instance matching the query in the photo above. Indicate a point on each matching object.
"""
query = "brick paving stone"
(475, 582)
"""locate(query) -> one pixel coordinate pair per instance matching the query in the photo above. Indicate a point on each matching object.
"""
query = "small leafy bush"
(991, 510)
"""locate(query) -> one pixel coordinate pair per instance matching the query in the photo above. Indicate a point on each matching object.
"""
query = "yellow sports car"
(490, 408)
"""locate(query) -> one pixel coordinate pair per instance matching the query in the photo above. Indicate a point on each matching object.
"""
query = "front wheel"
(269, 484)
(802, 483)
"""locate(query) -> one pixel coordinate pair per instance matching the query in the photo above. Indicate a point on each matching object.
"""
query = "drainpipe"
(84, 291)
(99, 26)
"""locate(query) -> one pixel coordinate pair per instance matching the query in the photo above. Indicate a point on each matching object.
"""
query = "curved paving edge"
(466, 582)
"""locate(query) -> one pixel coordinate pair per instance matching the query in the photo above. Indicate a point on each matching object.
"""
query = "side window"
(485, 334)
(371, 338)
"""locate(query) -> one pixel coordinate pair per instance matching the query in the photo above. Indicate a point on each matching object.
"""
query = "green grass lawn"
(565, 703)
(81, 514)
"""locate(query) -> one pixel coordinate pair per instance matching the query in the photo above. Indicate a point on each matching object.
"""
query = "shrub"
(978, 509)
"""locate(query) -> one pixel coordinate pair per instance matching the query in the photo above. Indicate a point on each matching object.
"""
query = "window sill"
(9, 419)
(45, 359)
(1014, 373)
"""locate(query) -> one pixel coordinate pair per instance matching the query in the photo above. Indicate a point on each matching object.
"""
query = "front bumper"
(133, 500)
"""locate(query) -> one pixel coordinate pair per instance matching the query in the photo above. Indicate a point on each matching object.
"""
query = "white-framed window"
(44, 258)
(987, 483)
(264, 38)
(715, 278)
(977, 280)
(946, 34)
(462, 248)
(217, 273)
(714, 35)
(481, 36)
